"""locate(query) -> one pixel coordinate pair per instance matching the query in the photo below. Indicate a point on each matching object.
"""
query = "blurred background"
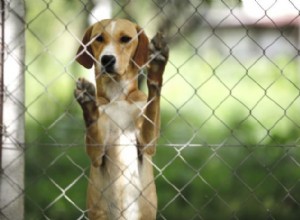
(229, 146)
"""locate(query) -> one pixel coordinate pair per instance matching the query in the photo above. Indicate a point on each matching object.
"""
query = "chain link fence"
(229, 145)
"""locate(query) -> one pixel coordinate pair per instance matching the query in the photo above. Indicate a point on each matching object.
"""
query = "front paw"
(84, 92)
(158, 50)
(159, 55)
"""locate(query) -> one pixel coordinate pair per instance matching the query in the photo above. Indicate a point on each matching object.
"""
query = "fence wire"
(229, 143)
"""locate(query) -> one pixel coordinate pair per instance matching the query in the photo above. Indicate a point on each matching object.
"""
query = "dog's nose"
(108, 62)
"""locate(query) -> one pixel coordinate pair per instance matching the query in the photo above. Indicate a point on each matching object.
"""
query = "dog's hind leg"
(85, 94)
(158, 55)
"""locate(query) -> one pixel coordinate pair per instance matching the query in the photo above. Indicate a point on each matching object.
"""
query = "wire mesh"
(229, 145)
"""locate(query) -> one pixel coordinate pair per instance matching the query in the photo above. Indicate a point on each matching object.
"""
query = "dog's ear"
(84, 52)
(140, 57)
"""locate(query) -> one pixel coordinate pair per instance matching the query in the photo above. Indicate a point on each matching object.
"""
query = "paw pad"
(159, 51)
(85, 91)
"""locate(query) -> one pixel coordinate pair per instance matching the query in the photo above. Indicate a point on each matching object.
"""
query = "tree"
(12, 167)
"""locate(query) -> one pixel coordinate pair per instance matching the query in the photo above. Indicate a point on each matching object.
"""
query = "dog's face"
(113, 46)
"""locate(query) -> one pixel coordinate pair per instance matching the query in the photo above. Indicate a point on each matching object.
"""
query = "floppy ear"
(84, 52)
(140, 57)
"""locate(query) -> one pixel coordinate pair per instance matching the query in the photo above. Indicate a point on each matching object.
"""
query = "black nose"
(108, 62)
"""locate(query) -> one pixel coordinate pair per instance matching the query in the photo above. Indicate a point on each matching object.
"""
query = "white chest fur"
(119, 121)
(122, 114)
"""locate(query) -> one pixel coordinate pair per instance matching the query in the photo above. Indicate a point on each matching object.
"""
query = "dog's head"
(113, 46)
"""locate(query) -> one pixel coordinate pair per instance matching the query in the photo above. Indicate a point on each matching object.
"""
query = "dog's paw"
(158, 50)
(159, 55)
(84, 92)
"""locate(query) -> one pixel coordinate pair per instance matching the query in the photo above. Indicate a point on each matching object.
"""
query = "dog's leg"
(159, 54)
(86, 96)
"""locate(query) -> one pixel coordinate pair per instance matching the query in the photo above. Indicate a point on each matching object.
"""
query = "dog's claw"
(85, 91)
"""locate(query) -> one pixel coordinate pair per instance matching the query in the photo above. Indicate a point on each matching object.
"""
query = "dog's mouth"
(108, 70)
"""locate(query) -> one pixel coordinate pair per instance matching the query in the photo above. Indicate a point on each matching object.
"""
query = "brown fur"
(118, 114)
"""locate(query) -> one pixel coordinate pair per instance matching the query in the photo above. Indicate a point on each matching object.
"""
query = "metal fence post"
(2, 16)
(12, 172)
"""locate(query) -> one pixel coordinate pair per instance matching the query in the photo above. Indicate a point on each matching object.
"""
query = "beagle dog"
(122, 123)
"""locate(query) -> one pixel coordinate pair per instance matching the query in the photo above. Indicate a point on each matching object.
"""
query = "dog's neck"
(116, 87)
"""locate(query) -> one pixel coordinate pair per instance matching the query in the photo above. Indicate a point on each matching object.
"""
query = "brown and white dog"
(122, 123)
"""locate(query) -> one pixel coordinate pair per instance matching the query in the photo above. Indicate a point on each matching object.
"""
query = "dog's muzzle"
(108, 63)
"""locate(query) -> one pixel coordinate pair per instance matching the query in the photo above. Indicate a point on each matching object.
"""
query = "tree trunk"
(12, 129)
(102, 10)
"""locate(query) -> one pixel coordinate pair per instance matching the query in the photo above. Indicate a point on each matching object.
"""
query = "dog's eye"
(125, 39)
(100, 38)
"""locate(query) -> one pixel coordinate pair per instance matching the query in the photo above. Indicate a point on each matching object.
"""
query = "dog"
(122, 123)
